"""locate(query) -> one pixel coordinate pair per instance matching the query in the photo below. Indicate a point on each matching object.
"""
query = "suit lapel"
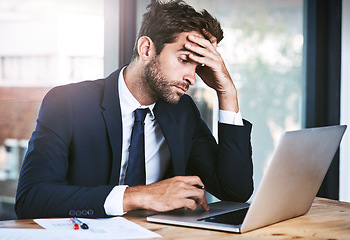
(171, 131)
(112, 115)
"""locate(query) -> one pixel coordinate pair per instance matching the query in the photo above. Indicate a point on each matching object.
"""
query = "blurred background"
(288, 59)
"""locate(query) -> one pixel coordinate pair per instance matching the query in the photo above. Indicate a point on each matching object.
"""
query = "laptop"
(287, 189)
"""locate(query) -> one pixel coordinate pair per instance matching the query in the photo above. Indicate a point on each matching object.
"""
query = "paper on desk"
(103, 228)
(32, 234)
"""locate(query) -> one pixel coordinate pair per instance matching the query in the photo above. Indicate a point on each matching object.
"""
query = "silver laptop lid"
(293, 176)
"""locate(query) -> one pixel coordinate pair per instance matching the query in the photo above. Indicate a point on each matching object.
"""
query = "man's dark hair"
(164, 21)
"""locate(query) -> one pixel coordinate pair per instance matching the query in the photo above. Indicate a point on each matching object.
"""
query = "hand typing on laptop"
(173, 193)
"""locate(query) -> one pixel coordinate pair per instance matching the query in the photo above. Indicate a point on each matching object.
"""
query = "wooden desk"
(327, 219)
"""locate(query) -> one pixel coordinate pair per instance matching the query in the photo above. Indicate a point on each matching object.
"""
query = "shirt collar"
(128, 103)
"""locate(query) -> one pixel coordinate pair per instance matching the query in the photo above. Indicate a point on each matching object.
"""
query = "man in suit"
(78, 162)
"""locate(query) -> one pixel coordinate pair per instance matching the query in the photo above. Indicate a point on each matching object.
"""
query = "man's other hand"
(173, 193)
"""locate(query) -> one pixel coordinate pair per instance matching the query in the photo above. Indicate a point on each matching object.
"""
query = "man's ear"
(145, 48)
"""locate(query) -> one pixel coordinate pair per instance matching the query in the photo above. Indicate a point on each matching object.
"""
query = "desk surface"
(327, 219)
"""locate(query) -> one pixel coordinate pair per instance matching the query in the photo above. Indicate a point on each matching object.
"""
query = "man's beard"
(161, 88)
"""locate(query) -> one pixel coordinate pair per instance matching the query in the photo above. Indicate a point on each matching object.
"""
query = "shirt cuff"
(229, 117)
(114, 201)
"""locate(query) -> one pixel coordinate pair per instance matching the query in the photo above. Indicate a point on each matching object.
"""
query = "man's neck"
(137, 85)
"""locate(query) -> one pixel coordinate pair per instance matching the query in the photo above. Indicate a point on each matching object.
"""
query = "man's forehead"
(184, 35)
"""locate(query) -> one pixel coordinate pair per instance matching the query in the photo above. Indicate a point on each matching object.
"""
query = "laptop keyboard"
(232, 218)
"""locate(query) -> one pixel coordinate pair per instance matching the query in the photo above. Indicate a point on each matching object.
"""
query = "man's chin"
(173, 100)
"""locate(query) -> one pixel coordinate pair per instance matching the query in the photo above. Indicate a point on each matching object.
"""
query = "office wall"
(344, 189)
(19, 107)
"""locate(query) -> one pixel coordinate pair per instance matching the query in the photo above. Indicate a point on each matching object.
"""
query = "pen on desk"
(75, 225)
(81, 224)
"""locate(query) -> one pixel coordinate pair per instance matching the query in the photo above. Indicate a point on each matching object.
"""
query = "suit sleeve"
(43, 189)
(225, 167)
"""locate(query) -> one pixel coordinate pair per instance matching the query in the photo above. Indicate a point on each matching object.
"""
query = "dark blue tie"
(136, 173)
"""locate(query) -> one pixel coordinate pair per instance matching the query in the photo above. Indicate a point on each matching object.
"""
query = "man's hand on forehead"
(212, 69)
(203, 48)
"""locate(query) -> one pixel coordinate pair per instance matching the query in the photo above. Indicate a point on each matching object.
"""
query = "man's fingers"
(166, 195)
(200, 60)
(191, 180)
(203, 51)
(198, 195)
(200, 51)
(210, 36)
(190, 203)
(192, 191)
(202, 42)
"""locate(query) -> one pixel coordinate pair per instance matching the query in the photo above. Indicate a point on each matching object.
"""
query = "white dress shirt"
(157, 154)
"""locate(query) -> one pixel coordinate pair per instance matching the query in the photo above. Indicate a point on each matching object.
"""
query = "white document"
(32, 234)
(103, 228)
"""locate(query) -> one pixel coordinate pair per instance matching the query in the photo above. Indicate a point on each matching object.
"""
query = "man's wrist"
(228, 102)
(133, 199)
(227, 97)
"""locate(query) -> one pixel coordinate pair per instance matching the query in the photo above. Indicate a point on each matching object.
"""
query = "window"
(46, 43)
(42, 44)
(262, 48)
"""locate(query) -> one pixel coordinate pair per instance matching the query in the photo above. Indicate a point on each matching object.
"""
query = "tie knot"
(140, 114)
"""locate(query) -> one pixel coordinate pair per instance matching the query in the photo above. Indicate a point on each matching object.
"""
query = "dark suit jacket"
(73, 158)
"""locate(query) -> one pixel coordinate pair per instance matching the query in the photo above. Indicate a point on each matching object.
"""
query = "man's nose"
(190, 77)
